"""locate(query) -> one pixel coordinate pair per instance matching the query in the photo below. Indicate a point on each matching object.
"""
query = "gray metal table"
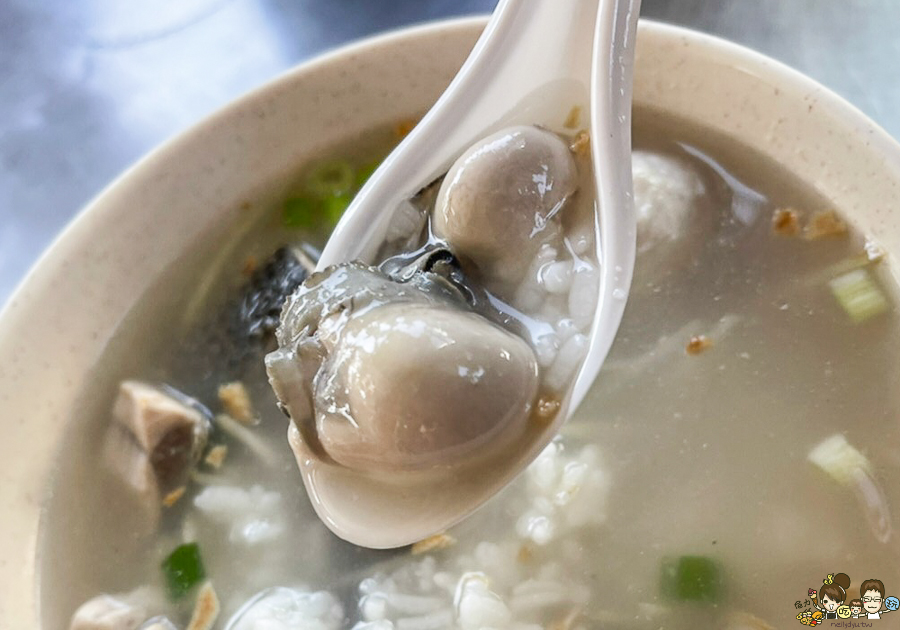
(88, 86)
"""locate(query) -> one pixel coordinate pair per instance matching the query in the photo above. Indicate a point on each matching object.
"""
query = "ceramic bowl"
(102, 276)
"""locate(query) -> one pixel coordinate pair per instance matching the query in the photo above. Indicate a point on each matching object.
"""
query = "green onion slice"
(300, 212)
(691, 579)
(365, 172)
(333, 207)
(183, 569)
(859, 295)
(331, 179)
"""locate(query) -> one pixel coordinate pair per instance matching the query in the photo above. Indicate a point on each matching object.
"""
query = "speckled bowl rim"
(48, 351)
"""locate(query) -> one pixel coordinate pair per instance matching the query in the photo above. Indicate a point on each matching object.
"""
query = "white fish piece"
(156, 437)
(106, 612)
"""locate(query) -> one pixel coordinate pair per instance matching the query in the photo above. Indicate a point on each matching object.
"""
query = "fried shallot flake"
(172, 498)
(236, 401)
(573, 119)
(526, 554)
(402, 128)
(697, 344)
(581, 143)
(825, 224)
(433, 543)
(250, 265)
(216, 456)
(546, 408)
(786, 222)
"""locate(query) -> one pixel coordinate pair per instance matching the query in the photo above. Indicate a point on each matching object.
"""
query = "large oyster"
(382, 374)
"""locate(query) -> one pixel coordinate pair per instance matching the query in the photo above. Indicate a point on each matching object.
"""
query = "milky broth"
(700, 455)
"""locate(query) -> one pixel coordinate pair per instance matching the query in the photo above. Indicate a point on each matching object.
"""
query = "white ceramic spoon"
(531, 53)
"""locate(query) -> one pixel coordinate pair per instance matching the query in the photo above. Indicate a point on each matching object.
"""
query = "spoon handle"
(611, 85)
(534, 56)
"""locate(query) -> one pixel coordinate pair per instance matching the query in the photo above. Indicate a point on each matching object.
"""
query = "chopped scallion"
(691, 579)
(365, 172)
(836, 457)
(333, 207)
(183, 569)
(299, 212)
(859, 295)
(850, 468)
(331, 179)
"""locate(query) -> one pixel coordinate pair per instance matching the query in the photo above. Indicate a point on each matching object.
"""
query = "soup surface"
(734, 451)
